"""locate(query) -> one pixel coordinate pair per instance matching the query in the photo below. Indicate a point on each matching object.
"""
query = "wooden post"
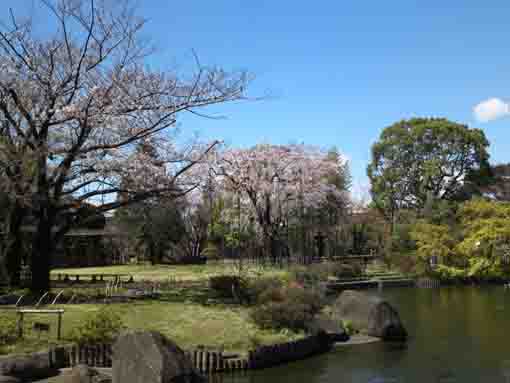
(73, 356)
(214, 366)
(20, 325)
(59, 326)
(207, 361)
(221, 365)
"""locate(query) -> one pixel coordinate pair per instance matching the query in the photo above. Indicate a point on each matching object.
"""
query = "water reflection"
(457, 335)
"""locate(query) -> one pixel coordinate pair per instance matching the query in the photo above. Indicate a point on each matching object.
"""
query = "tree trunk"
(13, 249)
(42, 250)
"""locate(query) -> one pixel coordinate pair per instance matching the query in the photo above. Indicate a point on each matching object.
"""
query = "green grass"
(161, 273)
(188, 324)
(188, 313)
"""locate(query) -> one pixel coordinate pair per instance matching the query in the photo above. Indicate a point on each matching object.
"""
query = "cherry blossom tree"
(273, 180)
(77, 100)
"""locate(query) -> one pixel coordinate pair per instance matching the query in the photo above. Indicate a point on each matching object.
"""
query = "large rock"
(149, 357)
(333, 328)
(369, 314)
(9, 379)
(82, 374)
(34, 366)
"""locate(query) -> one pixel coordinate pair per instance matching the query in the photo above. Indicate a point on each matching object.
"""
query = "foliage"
(101, 327)
(261, 290)
(346, 270)
(432, 240)
(449, 273)
(312, 274)
(486, 241)
(401, 239)
(152, 228)
(422, 159)
(226, 286)
(7, 329)
(475, 244)
(270, 183)
(291, 307)
(348, 326)
(77, 100)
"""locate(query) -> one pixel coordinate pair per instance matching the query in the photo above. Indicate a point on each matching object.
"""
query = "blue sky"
(341, 71)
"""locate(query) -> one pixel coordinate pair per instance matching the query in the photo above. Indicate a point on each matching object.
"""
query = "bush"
(280, 315)
(349, 327)
(225, 286)
(407, 263)
(264, 290)
(290, 307)
(7, 329)
(101, 327)
(311, 275)
(343, 270)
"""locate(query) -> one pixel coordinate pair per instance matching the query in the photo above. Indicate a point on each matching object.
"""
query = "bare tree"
(77, 101)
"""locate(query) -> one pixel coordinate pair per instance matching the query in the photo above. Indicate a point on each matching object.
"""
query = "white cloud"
(491, 109)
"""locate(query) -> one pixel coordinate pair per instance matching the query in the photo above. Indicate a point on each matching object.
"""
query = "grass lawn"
(162, 273)
(188, 324)
(189, 314)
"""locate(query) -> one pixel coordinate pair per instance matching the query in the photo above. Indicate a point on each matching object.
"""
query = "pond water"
(458, 334)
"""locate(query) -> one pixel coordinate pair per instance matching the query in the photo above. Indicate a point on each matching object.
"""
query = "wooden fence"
(99, 355)
(210, 361)
(428, 283)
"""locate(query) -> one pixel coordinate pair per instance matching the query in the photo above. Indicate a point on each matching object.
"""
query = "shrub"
(312, 274)
(7, 329)
(103, 326)
(342, 270)
(349, 327)
(279, 315)
(407, 263)
(225, 285)
(312, 299)
(264, 290)
(289, 307)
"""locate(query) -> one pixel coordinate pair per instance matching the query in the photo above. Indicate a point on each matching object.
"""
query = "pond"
(458, 334)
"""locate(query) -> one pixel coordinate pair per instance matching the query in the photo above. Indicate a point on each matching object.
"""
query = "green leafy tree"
(486, 242)
(423, 159)
(475, 245)
(433, 240)
(152, 227)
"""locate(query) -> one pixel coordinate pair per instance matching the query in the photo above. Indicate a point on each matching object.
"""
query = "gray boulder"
(82, 374)
(370, 314)
(331, 327)
(24, 367)
(150, 357)
(9, 379)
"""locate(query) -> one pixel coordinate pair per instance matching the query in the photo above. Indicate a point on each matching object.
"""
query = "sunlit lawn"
(161, 273)
(190, 314)
(188, 324)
